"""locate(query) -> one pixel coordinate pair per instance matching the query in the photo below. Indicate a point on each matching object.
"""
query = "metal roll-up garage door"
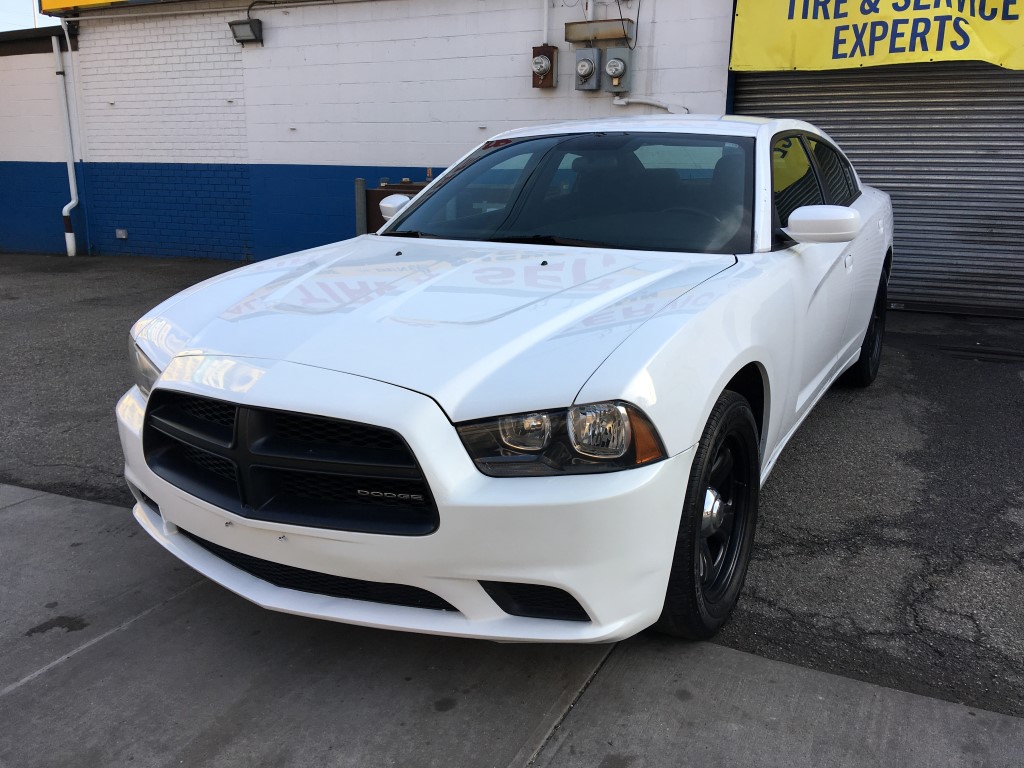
(946, 141)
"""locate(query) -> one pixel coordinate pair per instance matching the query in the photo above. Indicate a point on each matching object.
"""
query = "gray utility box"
(588, 60)
(620, 83)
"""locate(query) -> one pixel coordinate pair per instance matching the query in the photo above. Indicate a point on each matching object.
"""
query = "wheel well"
(749, 382)
(887, 265)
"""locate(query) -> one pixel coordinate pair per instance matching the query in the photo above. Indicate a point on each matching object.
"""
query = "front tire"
(716, 530)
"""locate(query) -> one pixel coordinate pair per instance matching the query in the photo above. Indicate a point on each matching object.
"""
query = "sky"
(18, 14)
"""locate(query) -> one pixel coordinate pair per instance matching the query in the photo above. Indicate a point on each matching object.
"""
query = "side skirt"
(769, 464)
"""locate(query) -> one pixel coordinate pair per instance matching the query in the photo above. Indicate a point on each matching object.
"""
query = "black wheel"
(864, 371)
(716, 531)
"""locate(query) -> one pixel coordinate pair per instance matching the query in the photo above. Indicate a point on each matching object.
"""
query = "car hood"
(482, 328)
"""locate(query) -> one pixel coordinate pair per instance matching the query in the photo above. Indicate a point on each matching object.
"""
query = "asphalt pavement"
(890, 546)
(890, 552)
(64, 337)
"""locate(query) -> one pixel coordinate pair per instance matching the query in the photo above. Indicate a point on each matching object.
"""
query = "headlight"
(597, 437)
(145, 372)
(600, 431)
(525, 432)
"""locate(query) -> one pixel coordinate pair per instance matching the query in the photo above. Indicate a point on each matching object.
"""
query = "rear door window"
(836, 174)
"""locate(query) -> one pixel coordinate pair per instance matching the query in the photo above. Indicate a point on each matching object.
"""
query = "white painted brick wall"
(162, 89)
(411, 82)
(384, 82)
(31, 122)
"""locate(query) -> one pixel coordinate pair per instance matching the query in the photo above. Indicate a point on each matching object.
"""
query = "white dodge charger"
(538, 404)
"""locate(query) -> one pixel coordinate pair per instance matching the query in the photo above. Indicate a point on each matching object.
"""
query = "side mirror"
(392, 204)
(823, 224)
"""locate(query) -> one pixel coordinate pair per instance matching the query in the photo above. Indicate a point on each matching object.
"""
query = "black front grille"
(324, 583)
(316, 486)
(209, 462)
(288, 467)
(536, 601)
(296, 427)
(212, 411)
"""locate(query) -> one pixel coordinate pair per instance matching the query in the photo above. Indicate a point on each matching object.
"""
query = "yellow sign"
(57, 6)
(772, 35)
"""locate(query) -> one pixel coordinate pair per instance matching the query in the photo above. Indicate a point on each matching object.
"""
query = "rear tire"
(716, 530)
(864, 371)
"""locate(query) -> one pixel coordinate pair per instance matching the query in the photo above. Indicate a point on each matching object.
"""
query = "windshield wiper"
(412, 233)
(549, 240)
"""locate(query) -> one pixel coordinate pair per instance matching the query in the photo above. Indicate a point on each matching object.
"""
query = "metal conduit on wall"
(945, 141)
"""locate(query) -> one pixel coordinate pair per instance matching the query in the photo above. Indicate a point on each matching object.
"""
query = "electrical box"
(588, 69)
(545, 66)
(617, 74)
(607, 30)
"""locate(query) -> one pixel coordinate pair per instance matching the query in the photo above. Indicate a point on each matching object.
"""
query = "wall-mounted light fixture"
(247, 30)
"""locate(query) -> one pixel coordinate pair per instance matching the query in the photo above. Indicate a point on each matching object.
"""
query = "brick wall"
(31, 123)
(170, 209)
(418, 82)
(386, 82)
(33, 171)
(164, 115)
(164, 89)
(200, 146)
(302, 206)
(31, 198)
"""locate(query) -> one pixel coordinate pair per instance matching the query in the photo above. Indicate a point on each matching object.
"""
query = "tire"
(864, 371)
(713, 547)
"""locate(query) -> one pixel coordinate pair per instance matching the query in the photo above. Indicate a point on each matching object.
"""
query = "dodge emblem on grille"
(388, 495)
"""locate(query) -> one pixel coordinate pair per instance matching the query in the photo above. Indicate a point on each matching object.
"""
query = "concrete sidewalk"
(112, 653)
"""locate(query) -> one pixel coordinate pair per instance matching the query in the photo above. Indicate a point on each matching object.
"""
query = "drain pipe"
(69, 233)
(76, 123)
(674, 109)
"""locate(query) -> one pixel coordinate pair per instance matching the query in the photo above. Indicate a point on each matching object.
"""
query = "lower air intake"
(535, 601)
(302, 580)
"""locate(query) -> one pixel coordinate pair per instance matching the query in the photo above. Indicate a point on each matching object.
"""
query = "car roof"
(724, 125)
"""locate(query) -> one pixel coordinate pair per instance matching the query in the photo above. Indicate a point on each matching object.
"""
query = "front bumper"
(605, 539)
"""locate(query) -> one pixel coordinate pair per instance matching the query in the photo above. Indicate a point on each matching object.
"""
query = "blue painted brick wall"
(32, 196)
(224, 211)
(170, 209)
(302, 206)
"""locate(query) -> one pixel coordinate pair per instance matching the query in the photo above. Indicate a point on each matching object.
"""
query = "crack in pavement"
(531, 758)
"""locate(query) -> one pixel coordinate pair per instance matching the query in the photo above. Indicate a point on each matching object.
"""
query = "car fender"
(675, 367)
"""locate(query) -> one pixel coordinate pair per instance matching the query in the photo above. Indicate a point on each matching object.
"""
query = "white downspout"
(69, 233)
(76, 124)
(675, 109)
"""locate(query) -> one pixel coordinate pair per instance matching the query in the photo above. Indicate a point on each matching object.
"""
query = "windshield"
(644, 191)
